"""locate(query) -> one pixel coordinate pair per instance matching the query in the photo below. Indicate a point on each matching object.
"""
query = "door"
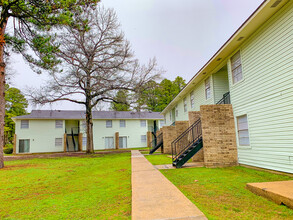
(109, 143)
(122, 142)
(24, 146)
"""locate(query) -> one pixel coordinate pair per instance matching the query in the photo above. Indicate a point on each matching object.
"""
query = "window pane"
(109, 142)
(84, 141)
(24, 124)
(244, 141)
(24, 146)
(58, 124)
(143, 138)
(162, 123)
(243, 133)
(58, 142)
(122, 124)
(143, 123)
(122, 142)
(236, 67)
(109, 124)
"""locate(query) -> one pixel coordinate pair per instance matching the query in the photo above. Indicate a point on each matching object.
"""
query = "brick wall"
(219, 137)
(193, 116)
(169, 134)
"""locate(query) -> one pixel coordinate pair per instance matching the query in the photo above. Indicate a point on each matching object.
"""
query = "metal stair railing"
(157, 142)
(188, 138)
(225, 99)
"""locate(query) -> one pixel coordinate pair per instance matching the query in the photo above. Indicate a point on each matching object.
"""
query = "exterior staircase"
(157, 143)
(187, 144)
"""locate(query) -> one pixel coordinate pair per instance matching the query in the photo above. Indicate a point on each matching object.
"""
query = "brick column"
(193, 116)
(14, 143)
(169, 134)
(80, 142)
(65, 147)
(117, 140)
(149, 139)
(219, 136)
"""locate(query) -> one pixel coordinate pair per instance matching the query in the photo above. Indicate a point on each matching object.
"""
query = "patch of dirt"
(13, 167)
(122, 170)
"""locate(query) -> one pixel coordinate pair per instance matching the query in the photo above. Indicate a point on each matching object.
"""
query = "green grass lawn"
(221, 194)
(159, 159)
(92, 187)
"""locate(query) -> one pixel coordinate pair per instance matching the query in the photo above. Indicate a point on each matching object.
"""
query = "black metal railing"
(173, 124)
(189, 137)
(157, 142)
(225, 99)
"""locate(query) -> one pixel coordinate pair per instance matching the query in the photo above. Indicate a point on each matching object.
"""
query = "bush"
(8, 150)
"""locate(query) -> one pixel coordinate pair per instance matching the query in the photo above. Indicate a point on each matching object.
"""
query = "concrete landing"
(280, 192)
(187, 165)
(155, 197)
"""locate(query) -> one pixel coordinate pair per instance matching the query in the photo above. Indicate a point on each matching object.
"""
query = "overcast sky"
(182, 35)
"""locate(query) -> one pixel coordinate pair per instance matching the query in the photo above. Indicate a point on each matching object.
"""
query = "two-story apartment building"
(253, 71)
(58, 131)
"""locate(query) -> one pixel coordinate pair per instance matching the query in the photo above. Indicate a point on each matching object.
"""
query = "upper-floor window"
(59, 124)
(185, 104)
(142, 123)
(236, 67)
(192, 99)
(122, 124)
(24, 124)
(176, 111)
(242, 126)
(208, 88)
(109, 124)
(162, 123)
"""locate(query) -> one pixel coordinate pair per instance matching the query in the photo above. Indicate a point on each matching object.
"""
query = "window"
(109, 124)
(142, 123)
(143, 138)
(122, 142)
(84, 141)
(236, 67)
(171, 116)
(208, 88)
(243, 134)
(176, 111)
(24, 124)
(58, 124)
(24, 146)
(109, 142)
(185, 104)
(162, 123)
(192, 100)
(122, 124)
(58, 142)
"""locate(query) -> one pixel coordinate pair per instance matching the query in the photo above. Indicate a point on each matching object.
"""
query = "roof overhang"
(266, 10)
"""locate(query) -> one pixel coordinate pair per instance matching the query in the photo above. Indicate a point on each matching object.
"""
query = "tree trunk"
(2, 91)
(89, 130)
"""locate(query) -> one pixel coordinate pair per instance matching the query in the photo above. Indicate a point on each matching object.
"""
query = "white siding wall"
(266, 94)
(221, 84)
(42, 134)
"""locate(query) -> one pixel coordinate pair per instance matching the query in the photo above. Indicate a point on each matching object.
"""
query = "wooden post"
(117, 140)
(149, 139)
(80, 142)
(65, 147)
(14, 144)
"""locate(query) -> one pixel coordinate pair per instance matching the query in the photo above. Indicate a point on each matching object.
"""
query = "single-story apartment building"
(62, 131)
(252, 71)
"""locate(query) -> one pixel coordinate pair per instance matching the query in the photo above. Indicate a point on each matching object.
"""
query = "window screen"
(109, 124)
(84, 141)
(24, 146)
(192, 99)
(142, 123)
(122, 124)
(208, 88)
(24, 124)
(143, 138)
(236, 67)
(58, 142)
(243, 134)
(58, 124)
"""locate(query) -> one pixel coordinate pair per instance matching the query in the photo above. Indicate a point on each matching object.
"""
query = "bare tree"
(95, 62)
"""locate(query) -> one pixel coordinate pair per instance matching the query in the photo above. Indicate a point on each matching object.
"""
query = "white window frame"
(143, 123)
(207, 84)
(108, 122)
(24, 124)
(58, 142)
(58, 123)
(143, 139)
(192, 99)
(236, 65)
(243, 130)
(122, 123)
(185, 104)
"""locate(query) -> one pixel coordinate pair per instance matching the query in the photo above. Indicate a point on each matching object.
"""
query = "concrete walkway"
(280, 192)
(155, 197)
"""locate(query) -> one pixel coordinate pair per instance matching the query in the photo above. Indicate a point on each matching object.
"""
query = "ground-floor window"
(122, 142)
(58, 142)
(84, 141)
(243, 133)
(24, 146)
(109, 142)
(143, 138)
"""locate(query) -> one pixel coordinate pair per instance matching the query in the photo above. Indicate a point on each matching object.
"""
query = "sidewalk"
(155, 197)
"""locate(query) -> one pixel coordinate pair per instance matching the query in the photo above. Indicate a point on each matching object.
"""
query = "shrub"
(8, 150)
